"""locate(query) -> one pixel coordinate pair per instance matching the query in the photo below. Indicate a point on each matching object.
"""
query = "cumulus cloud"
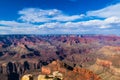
(91, 23)
(35, 15)
(53, 21)
(14, 27)
(14, 24)
(112, 10)
(80, 27)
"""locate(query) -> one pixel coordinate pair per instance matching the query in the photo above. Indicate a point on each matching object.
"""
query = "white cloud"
(112, 10)
(14, 24)
(112, 20)
(80, 27)
(54, 21)
(111, 15)
(13, 27)
(50, 25)
(35, 15)
(98, 24)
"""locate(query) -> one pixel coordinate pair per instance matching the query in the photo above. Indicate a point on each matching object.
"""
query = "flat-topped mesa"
(105, 69)
(103, 63)
(110, 51)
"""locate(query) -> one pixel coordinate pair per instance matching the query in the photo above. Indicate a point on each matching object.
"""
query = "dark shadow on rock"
(10, 67)
(68, 67)
(13, 76)
(12, 71)
(26, 66)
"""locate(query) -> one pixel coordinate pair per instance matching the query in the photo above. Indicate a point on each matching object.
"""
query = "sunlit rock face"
(27, 77)
(105, 70)
(57, 71)
(41, 77)
(22, 54)
(110, 50)
(104, 63)
(45, 70)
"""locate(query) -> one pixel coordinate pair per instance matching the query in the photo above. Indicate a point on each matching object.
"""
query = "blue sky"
(60, 17)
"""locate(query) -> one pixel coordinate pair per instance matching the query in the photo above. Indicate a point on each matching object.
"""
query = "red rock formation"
(77, 73)
(45, 70)
(42, 50)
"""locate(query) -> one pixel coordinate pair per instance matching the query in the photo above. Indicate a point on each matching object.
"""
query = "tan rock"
(41, 77)
(104, 63)
(27, 77)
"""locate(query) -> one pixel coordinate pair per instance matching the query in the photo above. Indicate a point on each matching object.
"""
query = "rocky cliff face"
(105, 70)
(15, 69)
(57, 66)
(20, 54)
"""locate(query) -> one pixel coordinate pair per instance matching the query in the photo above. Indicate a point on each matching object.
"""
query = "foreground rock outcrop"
(27, 77)
(105, 70)
(57, 66)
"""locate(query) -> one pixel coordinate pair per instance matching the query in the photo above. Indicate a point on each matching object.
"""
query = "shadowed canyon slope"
(21, 54)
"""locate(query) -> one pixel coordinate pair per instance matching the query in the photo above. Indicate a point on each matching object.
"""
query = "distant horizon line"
(67, 34)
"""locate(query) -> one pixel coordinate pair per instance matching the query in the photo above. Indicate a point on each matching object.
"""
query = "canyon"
(27, 54)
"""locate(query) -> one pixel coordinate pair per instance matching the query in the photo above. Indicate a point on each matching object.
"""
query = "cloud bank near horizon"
(54, 21)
